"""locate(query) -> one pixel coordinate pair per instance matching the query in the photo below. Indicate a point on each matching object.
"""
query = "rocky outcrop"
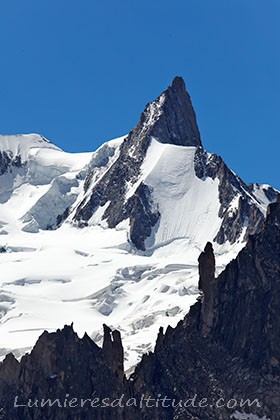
(273, 212)
(206, 266)
(8, 161)
(10, 369)
(248, 296)
(113, 351)
(60, 367)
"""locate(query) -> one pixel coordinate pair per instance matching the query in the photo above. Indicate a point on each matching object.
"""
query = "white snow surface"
(92, 275)
(170, 173)
(21, 144)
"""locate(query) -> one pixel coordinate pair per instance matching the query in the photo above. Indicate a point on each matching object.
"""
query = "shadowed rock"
(170, 118)
(113, 351)
(60, 367)
(206, 266)
(228, 346)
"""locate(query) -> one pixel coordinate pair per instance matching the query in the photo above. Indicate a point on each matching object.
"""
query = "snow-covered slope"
(39, 181)
(21, 144)
(168, 171)
(113, 236)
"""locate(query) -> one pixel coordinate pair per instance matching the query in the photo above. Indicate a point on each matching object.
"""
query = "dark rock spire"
(177, 121)
(206, 266)
(113, 351)
(273, 211)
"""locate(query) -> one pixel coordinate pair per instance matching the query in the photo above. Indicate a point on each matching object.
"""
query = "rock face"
(250, 285)
(113, 351)
(172, 116)
(207, 285)
(61, 366)
(7, 160)
(225, 352)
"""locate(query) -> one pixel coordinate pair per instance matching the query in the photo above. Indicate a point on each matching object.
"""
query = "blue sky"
(81, 72)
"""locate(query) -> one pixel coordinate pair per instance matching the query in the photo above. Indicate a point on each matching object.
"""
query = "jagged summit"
(170, 121)
(178, 123)
(170, 118)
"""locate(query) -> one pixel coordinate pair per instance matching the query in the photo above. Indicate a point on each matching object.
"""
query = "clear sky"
(80, 72)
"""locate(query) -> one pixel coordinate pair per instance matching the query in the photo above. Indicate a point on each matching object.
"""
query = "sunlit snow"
(93, 275)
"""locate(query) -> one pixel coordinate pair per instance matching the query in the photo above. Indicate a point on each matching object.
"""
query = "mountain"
(113, 236)
(220, 362)
(164, 182)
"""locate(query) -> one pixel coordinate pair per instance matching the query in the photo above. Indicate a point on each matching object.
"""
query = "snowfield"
(93, 275)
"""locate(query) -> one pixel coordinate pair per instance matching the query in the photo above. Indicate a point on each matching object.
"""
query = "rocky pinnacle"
(177, 121)
(170, 119)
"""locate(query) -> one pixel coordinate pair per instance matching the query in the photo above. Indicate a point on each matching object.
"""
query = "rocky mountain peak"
(178, 83)
(129, 188)
(171, 117)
